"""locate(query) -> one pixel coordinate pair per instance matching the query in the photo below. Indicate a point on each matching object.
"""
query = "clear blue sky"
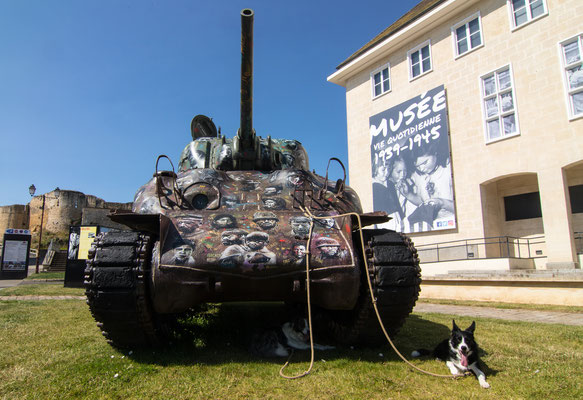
(92, 91)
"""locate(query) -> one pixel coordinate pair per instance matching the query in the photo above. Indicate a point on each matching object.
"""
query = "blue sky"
(92, 91)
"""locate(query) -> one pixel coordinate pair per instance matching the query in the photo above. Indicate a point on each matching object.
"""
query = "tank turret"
(239, 221)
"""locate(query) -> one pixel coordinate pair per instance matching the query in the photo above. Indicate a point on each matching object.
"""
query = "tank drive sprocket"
(116, 288)
(393, 267)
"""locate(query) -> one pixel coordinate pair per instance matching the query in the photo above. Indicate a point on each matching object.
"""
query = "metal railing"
(578, 236)
(483, 248)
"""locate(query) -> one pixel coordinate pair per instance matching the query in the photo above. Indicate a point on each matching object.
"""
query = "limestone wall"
(59, 213)
(14, 216)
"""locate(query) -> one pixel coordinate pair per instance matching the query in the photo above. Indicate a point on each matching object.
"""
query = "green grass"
(46, 275)
(53, 350)
(519, 306)
(48, 289)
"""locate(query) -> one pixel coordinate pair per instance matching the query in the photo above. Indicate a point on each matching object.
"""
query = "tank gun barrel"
(249, 152)
(246, 127)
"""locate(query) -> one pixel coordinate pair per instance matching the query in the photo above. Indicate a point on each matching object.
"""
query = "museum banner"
(411, 165)
(87, 235)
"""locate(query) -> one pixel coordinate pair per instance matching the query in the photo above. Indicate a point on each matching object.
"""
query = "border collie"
(278, 342)
(460, 353)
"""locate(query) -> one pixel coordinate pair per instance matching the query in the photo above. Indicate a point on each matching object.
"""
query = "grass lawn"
(46, 275)
(52, 349)
(46, 289)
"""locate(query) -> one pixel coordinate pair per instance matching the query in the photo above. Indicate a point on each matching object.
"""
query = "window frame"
(416, 49)
(466, 23)
(497, 95)
(380, 69)
(530, 18)
(564, 67)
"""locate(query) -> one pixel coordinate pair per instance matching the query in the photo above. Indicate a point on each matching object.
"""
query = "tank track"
(116, 288)
(393, 267)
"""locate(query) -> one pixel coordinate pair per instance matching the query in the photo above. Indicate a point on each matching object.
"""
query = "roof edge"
(411, 16)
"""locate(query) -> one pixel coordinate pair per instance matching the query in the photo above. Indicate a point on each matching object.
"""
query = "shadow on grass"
(221, 334)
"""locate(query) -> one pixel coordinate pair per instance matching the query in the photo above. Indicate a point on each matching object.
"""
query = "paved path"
(548, 317)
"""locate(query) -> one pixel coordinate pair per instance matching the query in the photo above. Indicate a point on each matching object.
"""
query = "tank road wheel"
(116, 288)
(395, 276)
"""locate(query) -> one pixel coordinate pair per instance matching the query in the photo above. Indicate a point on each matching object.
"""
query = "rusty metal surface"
(249, 222)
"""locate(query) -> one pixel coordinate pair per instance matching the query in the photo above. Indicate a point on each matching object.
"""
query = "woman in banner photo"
(432, 186)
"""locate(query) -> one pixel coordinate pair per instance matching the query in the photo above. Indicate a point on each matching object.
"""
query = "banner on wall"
(411, 166)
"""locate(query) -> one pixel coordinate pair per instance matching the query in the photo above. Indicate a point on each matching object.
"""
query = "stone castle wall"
(14, 216)
(70, 208)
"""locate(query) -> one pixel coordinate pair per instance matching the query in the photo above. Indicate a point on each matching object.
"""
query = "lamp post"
(32, 190)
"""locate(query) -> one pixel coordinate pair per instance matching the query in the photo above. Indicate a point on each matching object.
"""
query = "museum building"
(467, 118)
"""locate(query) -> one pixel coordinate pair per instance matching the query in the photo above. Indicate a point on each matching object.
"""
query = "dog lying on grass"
(460, 353)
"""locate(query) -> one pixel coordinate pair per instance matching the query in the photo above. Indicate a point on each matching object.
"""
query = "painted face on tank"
(255, 243)
(330, 251)
(327, 223)
(183, 253)
(300, 226)
(299, 250)
(267, 224)
(224, 221)
(189, 224)
(272, 190)
(229, 238)
(295, 180)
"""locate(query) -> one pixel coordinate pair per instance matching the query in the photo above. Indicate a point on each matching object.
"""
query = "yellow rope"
(374, 302)
(309, 314)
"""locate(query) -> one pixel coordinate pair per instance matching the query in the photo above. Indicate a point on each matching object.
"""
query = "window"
(522, 206)
(576, 196)
(498, 104)
(571, 59)
(380, 80)
(419, 60)
(467, 35)
(524, 11)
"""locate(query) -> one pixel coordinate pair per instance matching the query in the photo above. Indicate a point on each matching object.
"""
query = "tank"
(238, 221)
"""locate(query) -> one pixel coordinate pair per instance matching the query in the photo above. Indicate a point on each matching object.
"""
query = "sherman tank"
(238, 221)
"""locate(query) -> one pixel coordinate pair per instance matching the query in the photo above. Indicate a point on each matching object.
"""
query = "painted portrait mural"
(411, 165)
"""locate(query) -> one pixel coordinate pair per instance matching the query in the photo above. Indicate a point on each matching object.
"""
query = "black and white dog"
(460, 353)
(279, 341)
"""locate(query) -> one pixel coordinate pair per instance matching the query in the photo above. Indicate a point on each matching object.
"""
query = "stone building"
(68, 208)
(507, 78)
